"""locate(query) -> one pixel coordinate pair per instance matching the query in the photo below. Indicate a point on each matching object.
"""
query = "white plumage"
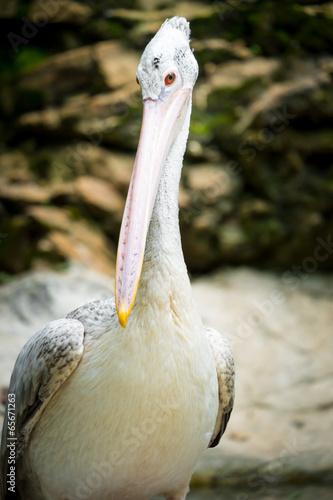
(109, 413)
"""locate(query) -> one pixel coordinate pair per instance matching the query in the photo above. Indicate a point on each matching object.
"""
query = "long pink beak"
(157, 135)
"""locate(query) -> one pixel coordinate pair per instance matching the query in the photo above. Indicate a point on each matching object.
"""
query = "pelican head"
(167, 53)
(167, 73)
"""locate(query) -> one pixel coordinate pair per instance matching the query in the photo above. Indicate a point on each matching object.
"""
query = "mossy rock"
(17, 244)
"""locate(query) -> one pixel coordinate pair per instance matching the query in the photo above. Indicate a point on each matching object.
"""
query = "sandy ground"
(280, 329)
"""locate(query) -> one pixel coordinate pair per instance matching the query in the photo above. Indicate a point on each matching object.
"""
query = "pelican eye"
(170, 78)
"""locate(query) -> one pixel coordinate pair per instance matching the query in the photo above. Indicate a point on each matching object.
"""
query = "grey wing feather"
(43, 365)
(226, 380)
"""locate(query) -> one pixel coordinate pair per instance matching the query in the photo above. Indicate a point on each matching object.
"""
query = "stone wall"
(257, 185)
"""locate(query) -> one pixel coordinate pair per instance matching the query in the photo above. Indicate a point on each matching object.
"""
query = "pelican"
(119, 399)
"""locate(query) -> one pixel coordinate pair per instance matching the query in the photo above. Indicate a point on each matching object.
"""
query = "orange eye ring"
(170, 78)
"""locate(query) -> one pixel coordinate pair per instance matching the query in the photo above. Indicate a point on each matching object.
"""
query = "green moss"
(256, 49)
(12, 64)
(103, 5)
(5, 278)
(288, 29)
(75, 212)
(103, 29)
(28, 57)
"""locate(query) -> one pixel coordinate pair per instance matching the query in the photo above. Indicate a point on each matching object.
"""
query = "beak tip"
(122, 315)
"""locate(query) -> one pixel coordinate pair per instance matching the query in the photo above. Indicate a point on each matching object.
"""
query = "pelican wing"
(226, 377)
(43, 365)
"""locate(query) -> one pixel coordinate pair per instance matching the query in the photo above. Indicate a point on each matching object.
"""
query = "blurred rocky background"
(257, 185)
